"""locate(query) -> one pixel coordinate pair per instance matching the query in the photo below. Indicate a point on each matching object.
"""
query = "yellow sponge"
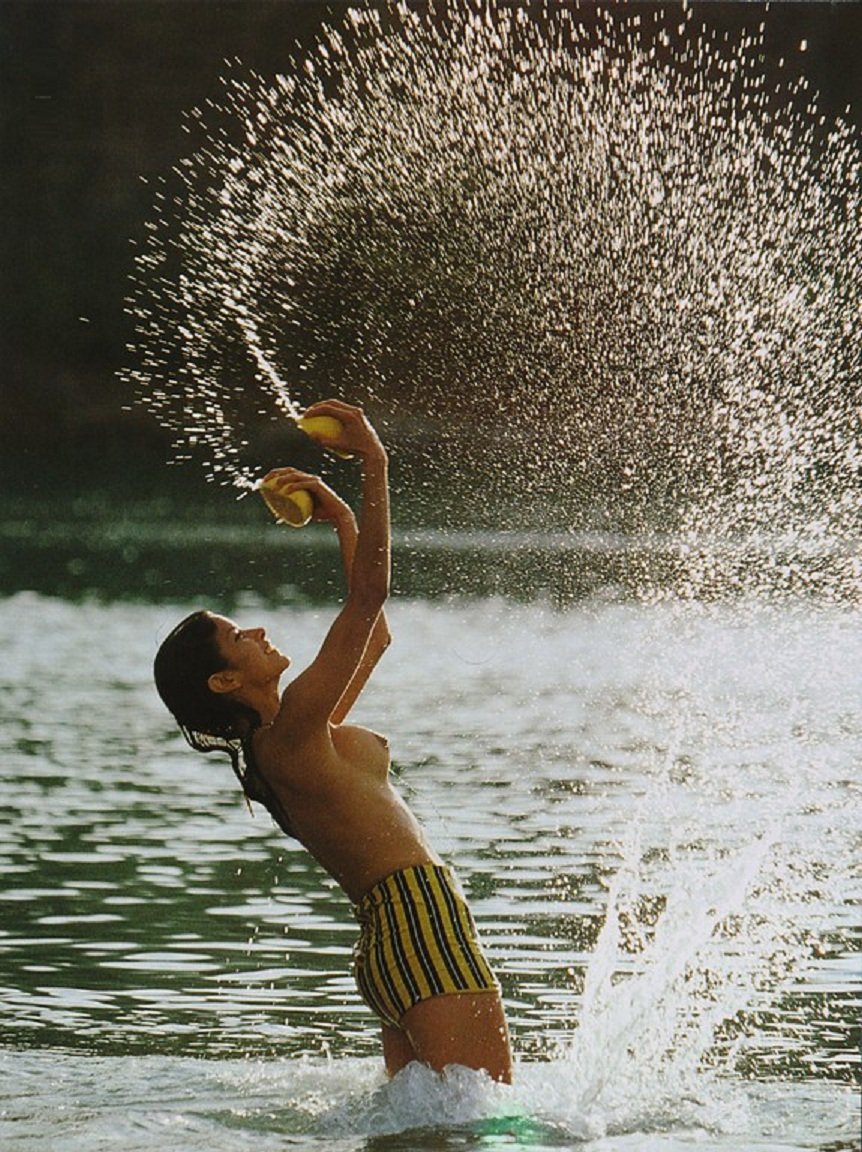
(293, 508)
(321, 428)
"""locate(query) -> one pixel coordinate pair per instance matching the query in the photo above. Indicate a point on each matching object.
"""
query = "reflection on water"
(654, 810)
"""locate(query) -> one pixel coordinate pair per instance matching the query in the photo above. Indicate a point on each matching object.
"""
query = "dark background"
(91, 96)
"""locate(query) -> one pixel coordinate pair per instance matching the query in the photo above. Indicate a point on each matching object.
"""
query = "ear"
(225, 681)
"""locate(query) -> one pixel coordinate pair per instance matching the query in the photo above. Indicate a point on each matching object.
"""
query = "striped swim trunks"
(417, 940)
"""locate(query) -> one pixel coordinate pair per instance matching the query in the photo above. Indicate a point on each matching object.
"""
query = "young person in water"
(418, 963)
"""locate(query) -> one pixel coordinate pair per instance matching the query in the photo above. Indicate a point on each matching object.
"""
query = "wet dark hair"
(210, 721)
(187, 658)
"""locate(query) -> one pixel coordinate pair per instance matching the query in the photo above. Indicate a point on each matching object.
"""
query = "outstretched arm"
(327, 689)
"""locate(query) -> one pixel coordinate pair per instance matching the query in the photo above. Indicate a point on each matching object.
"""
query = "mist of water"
(616, 255)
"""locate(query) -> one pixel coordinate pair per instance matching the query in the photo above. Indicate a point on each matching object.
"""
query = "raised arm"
(380, 638)
(359, 635)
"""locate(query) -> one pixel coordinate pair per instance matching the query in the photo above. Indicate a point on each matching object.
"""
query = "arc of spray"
(249, 330)
(265, 366)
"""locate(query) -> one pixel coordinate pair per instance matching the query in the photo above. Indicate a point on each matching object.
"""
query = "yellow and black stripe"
(417, 940)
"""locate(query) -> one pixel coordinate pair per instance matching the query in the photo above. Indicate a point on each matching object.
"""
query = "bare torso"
(334, 784)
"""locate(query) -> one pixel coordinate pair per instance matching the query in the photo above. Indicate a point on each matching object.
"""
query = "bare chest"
(361, 748)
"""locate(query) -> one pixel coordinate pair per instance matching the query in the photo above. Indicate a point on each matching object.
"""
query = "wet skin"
(333, 777)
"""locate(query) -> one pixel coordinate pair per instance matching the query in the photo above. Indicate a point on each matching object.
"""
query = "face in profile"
(251, 661)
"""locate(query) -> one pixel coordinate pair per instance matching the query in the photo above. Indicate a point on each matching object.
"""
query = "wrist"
(375, 458)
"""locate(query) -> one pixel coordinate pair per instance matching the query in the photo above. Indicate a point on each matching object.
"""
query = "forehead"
(223, 624)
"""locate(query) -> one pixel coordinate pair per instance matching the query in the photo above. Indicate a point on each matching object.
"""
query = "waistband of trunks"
(384, 890)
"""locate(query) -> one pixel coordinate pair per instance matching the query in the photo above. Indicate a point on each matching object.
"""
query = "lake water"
(653, 805)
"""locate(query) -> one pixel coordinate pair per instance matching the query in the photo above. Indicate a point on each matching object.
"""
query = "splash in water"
(604, 240)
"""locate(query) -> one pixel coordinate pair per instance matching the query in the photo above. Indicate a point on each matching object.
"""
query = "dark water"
(122, 536)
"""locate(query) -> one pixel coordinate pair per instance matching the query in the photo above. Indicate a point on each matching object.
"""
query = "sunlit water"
(654, 809)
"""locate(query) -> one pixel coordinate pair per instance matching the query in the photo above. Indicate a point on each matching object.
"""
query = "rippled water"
(654, 809)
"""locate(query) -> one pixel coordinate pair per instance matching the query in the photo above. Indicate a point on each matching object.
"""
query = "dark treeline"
(91, 97)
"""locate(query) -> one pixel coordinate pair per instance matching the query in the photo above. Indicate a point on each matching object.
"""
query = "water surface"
(653, 807)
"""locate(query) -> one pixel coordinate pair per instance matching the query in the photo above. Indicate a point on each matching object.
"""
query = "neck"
(265, 702)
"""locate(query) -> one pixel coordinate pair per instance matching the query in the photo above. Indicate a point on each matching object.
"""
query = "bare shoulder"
(299, 719)
(296, 737)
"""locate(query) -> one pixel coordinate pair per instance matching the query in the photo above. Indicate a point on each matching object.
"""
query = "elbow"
(381, 635)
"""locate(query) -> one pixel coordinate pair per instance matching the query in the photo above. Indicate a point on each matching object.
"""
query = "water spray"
(604, 236)
(294, 508)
